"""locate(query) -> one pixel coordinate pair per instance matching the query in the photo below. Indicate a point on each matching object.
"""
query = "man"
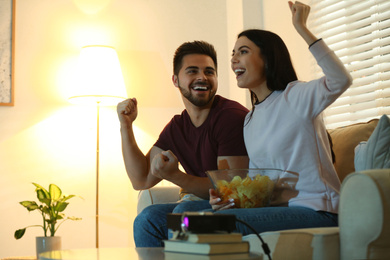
(208, 135)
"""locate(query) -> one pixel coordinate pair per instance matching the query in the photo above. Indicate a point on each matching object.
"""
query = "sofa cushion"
(157, 195)
(375, 153)
(299, 244)
(345, 139)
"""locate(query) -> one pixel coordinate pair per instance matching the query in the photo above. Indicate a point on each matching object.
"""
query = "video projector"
(201, 222)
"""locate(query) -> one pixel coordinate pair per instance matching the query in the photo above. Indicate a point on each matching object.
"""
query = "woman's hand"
(216, 202)
(300, 12)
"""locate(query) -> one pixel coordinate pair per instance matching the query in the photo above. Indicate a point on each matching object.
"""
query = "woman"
(285, 129)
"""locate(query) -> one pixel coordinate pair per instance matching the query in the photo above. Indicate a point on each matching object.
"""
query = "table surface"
(104, 254)
(112, 253)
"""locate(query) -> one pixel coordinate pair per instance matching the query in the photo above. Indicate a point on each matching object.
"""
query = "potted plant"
(51, 205)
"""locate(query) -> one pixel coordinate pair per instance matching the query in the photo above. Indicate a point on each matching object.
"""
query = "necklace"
(259, 102)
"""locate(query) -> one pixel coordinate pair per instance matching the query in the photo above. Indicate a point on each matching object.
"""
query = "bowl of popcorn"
(250, 188)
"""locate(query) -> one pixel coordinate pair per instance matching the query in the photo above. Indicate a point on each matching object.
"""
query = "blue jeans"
(150, 226)
(280, 218)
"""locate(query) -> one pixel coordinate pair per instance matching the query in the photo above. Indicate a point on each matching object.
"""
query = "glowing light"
(99, 77)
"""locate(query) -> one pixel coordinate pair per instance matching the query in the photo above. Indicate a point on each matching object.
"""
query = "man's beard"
(194, 100)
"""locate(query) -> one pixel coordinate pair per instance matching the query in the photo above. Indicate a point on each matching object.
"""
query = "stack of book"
(212, 246)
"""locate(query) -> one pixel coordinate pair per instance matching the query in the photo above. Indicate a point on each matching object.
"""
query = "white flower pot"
(45, 244)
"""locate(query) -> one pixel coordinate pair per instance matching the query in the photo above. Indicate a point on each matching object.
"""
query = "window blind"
(359, 33)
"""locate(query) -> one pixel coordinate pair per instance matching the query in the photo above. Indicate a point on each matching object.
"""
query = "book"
(212, 237)
(185, 256)
(206, 248)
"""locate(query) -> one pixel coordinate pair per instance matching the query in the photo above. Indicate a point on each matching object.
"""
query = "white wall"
(45, 139)
(277, 18)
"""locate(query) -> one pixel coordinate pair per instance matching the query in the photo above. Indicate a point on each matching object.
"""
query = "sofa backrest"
(345, 139)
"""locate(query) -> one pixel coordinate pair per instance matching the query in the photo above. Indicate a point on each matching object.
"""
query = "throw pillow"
(345, 139)
(375, 153)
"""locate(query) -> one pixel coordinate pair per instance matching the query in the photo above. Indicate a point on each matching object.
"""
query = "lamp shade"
(99, 78)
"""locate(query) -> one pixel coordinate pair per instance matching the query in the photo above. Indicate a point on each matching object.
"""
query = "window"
(359, 33)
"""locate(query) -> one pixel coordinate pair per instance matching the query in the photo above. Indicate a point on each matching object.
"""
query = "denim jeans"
(280, 218)
(150, 226)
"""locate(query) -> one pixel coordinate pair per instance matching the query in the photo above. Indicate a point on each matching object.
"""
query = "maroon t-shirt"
(197, 148)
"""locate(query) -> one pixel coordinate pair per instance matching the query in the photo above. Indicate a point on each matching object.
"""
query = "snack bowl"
(250, 188)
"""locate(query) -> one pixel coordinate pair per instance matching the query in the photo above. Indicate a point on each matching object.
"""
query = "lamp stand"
(100, 80)
(97, 175)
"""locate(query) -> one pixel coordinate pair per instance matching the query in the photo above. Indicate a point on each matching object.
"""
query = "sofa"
(364, 214)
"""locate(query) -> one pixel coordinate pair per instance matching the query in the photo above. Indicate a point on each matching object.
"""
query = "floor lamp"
(100, 83)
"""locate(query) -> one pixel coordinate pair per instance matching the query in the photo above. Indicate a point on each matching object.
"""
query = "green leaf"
(39, 187)
(68, 197)
(46, 210)
(61, 206)
(19, 233)
(55, 192)
(30, 205)
(74, 218)
(43, 197)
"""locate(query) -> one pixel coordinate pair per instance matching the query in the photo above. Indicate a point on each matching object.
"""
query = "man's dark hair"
(195, 47)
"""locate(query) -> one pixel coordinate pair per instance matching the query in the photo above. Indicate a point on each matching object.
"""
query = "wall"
(277, 18)
(45, 139)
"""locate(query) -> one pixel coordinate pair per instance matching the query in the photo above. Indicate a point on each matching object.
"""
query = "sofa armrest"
(157, 195)
(364, 215)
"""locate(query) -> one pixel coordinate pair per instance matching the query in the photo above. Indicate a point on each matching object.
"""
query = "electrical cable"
(264, 245)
